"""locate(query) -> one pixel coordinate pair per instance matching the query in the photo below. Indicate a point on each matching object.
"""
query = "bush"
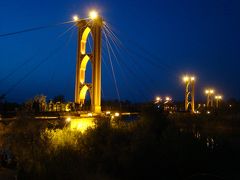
(148, 148)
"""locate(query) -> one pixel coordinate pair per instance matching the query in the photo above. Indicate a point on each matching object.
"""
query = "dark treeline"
(153, 147)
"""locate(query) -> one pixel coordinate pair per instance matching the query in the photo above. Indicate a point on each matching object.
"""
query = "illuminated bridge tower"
(189, 92)
(85, 27)
(209, 93)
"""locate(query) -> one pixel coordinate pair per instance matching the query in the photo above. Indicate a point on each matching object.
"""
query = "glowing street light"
(89, 114)
(93, 14)
(167, 103)
(117, 114)
(189, 81)
(167, 98)
(108, 112)
(158, 99)
(68, 119)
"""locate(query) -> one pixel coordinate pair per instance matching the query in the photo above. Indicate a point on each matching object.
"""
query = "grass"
(152, 147)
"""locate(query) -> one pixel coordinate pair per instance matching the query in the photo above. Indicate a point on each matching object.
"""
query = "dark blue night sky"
(201, 37)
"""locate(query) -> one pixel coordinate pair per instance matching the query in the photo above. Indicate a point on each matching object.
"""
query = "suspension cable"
(33, 29)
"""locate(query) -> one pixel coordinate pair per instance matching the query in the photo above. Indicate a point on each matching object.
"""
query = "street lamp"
(158, 99)
(167, 99)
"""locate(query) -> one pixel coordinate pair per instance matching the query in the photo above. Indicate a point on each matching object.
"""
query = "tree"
(59, 98)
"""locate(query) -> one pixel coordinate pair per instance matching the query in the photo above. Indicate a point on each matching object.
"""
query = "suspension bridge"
(104, 46)
(98, 44)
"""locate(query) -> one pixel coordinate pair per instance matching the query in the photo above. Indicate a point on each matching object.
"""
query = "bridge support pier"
(189, 93)
(85, 27)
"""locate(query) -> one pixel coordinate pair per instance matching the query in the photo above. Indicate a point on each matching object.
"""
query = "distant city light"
(90, 114)
(168, 98)
(158, 98)
(108, 112)
(117, 114)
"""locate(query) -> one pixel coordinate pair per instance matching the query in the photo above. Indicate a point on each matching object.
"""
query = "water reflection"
(197, 135)
(209, 141)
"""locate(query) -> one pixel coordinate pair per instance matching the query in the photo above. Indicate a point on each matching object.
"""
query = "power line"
(35, 68)
(130, 70)
(144, 54)
(113, 73)
(30, 72)
(131, 56)
(121, 69)
(10, 74)
(33, 29)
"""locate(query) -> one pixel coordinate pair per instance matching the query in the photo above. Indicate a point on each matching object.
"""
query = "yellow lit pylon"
(209, 93)
(189, 92)
(85, 26)
(218, 98)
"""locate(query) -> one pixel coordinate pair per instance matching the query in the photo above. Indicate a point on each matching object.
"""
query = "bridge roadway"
(70, 115)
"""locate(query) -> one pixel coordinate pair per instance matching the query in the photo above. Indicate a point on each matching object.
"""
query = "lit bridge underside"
(83, 121)
(71, 120)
